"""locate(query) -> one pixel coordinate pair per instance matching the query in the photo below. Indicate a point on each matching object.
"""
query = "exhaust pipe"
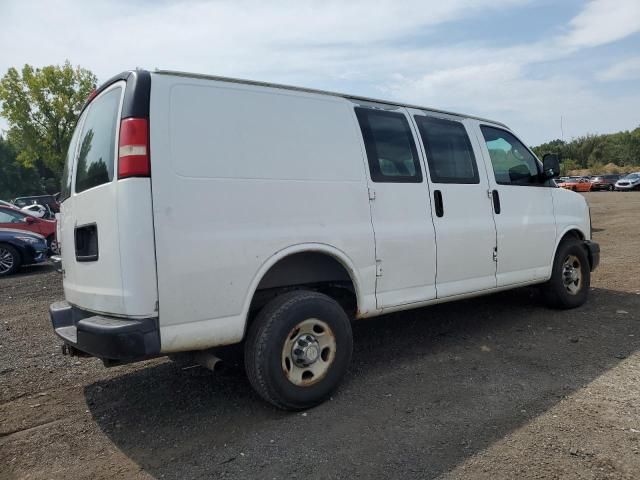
(73, 351)
(208, 360)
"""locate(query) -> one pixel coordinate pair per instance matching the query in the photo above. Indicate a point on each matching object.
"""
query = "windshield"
(632, 176)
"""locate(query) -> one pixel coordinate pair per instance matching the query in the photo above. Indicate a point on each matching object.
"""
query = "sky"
(527, 63)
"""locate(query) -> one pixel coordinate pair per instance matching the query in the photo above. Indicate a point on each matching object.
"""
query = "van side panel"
(240, 173)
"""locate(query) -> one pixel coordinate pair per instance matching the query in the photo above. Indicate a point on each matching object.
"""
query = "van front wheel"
(298, 349)
(570, 277)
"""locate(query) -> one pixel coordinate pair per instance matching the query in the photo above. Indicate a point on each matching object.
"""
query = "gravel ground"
(494, 387)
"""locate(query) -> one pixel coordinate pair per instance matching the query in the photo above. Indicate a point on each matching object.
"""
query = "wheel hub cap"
(6, 260)
(305, 350)
(308, 352)
(572, 274)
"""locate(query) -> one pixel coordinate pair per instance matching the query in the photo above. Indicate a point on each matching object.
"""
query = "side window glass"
(512, 162)
(391, 150)
(449, 152)
(67, 172)
(5, 217)
(11, 217)
(96, 151)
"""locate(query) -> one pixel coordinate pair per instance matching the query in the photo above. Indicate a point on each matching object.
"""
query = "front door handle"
(496, 201)
(437, 200)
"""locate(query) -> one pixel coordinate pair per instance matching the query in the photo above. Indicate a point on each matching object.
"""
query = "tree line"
(597, 154)
(41, 106)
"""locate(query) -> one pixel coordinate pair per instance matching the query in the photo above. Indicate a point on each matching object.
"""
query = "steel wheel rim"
(572, 274)
(308, 352)
(6, 260)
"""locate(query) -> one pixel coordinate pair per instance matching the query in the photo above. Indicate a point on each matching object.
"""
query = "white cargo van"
(201, 211)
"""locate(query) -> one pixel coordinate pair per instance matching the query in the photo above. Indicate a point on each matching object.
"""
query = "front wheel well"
(316, 271)
(575, 233)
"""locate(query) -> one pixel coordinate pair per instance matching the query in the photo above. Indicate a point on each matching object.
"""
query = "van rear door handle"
(496, 201)
(437, 200)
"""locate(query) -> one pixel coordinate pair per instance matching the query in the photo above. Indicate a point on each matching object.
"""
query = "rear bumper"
(593, 250)
(105, 337)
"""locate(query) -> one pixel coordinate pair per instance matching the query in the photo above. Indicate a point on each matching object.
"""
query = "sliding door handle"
(496, 201)
(437, 201)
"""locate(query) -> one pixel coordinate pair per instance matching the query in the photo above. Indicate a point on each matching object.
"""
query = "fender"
(330, 250)
(566, 230)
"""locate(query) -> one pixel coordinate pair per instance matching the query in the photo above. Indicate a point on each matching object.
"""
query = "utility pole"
(561, 130)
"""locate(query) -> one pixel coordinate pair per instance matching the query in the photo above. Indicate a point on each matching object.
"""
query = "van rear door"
(106, 224)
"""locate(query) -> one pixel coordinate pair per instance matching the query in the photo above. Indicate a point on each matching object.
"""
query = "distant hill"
(596, 154)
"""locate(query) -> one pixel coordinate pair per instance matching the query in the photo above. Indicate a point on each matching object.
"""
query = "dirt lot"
(495, 387)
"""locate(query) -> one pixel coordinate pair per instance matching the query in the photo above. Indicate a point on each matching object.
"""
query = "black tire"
(556, 292)
(9, 255)
(270, 332)
(52, 245)
(610, 188)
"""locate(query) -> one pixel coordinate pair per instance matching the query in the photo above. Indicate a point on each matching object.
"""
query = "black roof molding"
(136, 95)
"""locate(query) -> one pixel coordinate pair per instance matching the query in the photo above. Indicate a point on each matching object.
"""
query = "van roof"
(321, 92)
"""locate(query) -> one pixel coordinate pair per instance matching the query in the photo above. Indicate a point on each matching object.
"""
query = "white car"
(35, 210)
(311, 209)
(630, 182)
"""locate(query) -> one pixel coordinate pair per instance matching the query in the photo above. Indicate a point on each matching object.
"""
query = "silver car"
(630, 182)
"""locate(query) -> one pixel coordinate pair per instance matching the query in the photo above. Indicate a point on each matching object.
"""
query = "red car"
(604, 182)
(577, 184)
(16, 219)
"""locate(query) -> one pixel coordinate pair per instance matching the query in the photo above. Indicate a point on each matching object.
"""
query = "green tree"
(41, 106)
(15, 179)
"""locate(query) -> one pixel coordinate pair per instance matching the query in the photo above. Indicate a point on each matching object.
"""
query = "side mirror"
(551, 165)
(29, 219)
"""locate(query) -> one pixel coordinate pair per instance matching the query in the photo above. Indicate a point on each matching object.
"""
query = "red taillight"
(133, 156)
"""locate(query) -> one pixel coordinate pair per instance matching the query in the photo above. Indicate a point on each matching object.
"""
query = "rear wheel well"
(314, 271)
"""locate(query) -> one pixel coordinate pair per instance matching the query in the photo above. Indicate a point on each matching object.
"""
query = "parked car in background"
(15, 219)
(7, 204)
(604, 182)
(19, 247)
(630, 182)
(49, 200)
(39, 211)
(576, 184)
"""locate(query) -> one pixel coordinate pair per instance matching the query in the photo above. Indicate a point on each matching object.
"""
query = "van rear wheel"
(570, 277)
(298, 349)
